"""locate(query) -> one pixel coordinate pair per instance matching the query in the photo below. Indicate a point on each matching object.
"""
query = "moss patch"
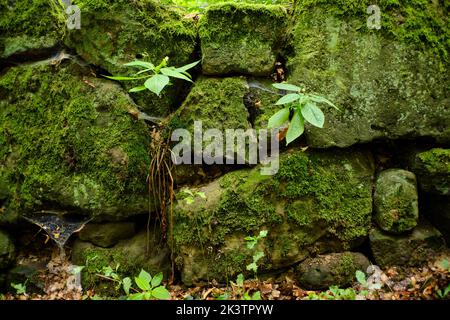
(61, 139)
(241, 38)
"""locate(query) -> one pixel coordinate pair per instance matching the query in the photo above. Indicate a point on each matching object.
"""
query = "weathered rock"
(330, 269)
(7, 250)
(318, 202)
(218, 103)
(396, 201)
(241, 38)
(117, 32)
(28, 26)
(129, 255)
(107, 234)
(411, 249)
(69, 142)
(389, 83)
(432, 168)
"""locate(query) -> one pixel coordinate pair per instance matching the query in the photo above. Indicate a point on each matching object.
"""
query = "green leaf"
(201, 195)
(361, 277)
(137, 89)
(161, 293)
(257, 256)
(136, 296)
(240, 280)
(188, 66)
(313, 114)
(121, 78)
(296, 128)
(263, 233)
(157, 83)
(289, 98)
(126, 284)
(156, 281)
(144, 275)
(253, 267)
(170, 72)
(142, 284)
(189, 200)
(256, 296)
(141, 64)
(279, 118)
(286, 86)
(320, 99)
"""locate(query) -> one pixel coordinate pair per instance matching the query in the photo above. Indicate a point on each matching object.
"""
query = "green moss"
(241, 38)
(27, 25)
(432, 168)
(420, 22)
(436, 160)
(68, 143)
(317, 200)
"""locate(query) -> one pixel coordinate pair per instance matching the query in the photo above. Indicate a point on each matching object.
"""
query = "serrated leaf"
(156, 280)
(289, 98)
(188, 66)
(126, 284)
(137, 89)
(286, 86)
(161, 293)
(296, 128)
(174, 74)
(141, 64)
(156, 83)
(279, 118)
(252, 266)
(142, 284)
(313, 114)
(257, 256)
(320, 99)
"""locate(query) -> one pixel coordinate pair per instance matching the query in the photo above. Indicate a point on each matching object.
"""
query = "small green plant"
(333, 293)
(245, 294)
(304, 108)
(189, 195)
(157, 78)
(442, 294)
(150, 287)
(21, 288)
(258, 255)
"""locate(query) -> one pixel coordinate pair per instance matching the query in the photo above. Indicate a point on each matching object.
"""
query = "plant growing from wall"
(303, 106)
(252, 241)
(156, 78)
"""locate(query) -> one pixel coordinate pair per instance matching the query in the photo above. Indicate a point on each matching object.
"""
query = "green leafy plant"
(150, 287)
(252, 241)
(189, 195)
(245, 294)
(156, 78)
(442, 294)
(304, 108)
(21, 288)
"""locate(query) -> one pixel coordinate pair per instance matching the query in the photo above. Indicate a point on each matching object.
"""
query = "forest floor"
(429, 282)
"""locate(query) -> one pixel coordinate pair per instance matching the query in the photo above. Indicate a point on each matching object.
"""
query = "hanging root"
(161, 185)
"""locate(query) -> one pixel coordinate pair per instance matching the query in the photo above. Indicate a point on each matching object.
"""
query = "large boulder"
(115, 32)
(410, 249)
(331, 269)
(68, 143)
(396, 201)
(432, 168)
(389, 83)
(239, 38)
(318, 202)
(107, 234)
(7, 250)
